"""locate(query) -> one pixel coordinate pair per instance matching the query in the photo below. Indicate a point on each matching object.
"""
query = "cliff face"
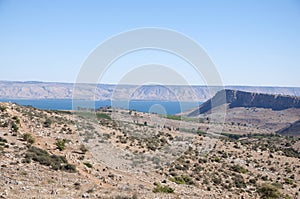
(275, 102)
(247, 99)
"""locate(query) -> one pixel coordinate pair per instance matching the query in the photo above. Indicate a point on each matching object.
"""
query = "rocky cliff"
(247, 99)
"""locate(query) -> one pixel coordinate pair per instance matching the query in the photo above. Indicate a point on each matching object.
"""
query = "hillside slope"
(55, 154)
(291, 130)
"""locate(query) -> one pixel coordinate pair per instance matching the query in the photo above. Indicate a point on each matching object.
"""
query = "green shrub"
(28, 138)
(47, 123)
(268, 191)
(173, 117)
(288, 181)
(61, 144)
(163, 189)
(14, 127)
(217, 180)
(103, 116)
(87, 164)
(2, 108)
(239, 181)
(16, 119)
(201, 133)
(182, 180)
(44, 158)
(239, 169)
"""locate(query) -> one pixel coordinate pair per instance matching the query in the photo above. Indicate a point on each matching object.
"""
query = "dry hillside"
(127, 154)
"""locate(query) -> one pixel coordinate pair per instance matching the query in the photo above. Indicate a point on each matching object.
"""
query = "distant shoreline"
(170, 107)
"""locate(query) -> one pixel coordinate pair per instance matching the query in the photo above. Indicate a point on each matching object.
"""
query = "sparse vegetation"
(28, 138)
(173, 117)
(239, 169)
(103, 116)
(14, 127)
(162, 188)
(61, 144)
(47, 123)
(54, 161)
(268, 191)
(182, 180)
(2, 108)
(87, 164)
(16, 118)
(237, 165)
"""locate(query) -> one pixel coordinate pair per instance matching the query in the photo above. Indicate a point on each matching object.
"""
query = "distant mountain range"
(47, 90)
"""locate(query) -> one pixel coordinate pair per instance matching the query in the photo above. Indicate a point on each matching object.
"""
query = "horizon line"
(129, 84)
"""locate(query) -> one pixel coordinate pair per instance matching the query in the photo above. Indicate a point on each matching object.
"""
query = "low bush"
(87, 164)
(61, 144)
(14, 127)
(2, 108)
(44, 158)
(16, 119)
(268, 191)
(182, 180)
(239, 181)
(28, 138)
(103, 116)
(239, 169)
(163, 189)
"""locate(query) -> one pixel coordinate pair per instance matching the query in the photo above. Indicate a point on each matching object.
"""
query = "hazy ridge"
(47, 90)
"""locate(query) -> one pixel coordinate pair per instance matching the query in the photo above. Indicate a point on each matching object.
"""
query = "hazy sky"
(255, 42)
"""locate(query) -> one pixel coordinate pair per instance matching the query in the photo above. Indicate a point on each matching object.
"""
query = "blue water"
(161, 107)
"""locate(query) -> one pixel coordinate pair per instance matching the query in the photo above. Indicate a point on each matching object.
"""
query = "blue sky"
(253, 42)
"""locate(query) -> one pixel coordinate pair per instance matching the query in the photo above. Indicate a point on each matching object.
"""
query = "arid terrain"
(117, 153)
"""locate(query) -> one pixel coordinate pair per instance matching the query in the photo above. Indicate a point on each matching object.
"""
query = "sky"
(251, 42)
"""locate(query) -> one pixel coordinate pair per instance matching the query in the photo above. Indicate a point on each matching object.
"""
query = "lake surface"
(151, 106)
